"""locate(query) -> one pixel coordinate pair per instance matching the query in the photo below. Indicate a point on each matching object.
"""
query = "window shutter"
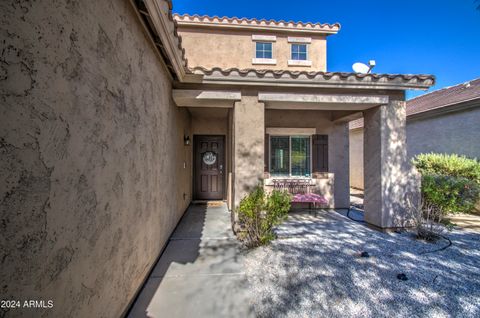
(320, 153)
(267, 146)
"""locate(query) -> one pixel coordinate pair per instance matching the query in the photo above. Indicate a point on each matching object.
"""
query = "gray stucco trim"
(322, 98)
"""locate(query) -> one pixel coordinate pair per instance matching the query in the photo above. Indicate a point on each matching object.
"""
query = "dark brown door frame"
(194, 176)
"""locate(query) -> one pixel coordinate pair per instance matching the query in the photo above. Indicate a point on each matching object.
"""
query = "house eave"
(445, 109)
(157, 20)
(252, 77)
(225, 23)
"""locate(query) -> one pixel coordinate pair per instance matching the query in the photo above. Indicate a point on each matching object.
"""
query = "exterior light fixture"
(186, 140)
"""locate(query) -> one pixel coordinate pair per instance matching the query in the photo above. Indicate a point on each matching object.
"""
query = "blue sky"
(440, 37)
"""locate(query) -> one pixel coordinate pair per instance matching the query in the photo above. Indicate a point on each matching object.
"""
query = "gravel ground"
(314, 269)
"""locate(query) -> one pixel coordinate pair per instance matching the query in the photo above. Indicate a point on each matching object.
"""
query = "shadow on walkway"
(200, 273)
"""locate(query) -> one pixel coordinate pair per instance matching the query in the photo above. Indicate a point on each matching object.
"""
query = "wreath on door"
(209, 158)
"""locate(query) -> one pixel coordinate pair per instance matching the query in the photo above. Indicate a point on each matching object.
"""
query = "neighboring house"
(107, 134)
(443, 121)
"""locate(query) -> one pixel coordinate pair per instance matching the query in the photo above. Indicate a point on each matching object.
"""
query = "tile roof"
(414, 81)
(445, 97)
(311, 74)
(165, 7)
(234, 21)
(175, 31)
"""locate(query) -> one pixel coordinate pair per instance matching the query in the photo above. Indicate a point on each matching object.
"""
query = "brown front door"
(209, 167)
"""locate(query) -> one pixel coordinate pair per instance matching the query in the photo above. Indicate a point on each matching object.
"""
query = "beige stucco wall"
(89, 140)
(248, 146)
(356, 158)
(232, 48)
(386, 170)
(334, 185)
(455, 132)
(209, 121)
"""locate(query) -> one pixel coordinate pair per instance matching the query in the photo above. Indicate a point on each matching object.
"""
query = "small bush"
(258, 213)
(427, 219)
(448, 165)
(450, 194)
(450, 183)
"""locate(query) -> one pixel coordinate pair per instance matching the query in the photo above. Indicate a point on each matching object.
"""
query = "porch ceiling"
(205, 98)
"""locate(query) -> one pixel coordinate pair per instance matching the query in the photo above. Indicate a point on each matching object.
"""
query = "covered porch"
(289, 132)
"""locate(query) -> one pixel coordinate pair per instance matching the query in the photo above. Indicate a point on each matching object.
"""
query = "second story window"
(299, 52)
(263, 50)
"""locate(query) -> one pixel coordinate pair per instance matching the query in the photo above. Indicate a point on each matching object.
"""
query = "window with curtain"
(290, 156)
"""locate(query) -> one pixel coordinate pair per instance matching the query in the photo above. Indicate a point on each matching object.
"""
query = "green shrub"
(450, 183)
(448, 165)
(278, 205)
(259, 212)
(450, 194)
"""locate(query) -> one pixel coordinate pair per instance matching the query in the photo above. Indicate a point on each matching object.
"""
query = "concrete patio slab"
(466, 221)
(201, 271)
(190, 257)
(195, 296)
(203, 221)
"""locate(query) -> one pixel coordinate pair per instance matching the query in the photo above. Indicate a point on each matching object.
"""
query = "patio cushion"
(309, 198)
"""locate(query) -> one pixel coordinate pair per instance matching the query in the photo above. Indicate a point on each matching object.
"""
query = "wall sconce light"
(186, 140)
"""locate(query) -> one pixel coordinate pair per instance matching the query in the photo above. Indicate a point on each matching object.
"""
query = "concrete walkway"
(466, 221)
(201, 271)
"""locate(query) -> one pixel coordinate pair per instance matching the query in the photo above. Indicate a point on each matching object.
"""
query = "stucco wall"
(209, 121)
(339, 148)
(356, 158)
(91, 175)
(248, 146)
(334, 185)
(455, 132)
(225, 48)
(386, 169)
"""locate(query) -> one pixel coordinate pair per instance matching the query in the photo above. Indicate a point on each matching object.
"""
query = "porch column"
(385, 164)
(339, 162)
(248, 148)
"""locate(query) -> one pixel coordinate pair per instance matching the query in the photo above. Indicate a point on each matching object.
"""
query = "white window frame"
(290, 176)
(299, 40)
(264, 39)
(307, 56)
(262, 42)
(306, 62)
